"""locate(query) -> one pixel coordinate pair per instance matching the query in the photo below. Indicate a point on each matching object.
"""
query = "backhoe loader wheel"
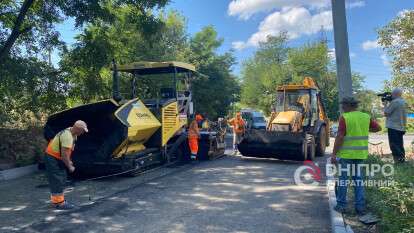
(311, 147)
(321, 144)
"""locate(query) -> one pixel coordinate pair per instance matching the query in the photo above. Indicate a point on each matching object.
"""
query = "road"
(231, 194)
(226, 195)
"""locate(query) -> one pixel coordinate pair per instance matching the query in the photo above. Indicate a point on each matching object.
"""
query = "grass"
(393, 204)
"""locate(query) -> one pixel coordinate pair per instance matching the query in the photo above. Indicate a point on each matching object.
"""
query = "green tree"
(126, 40)
(34, 21)
(30, 86)
(276, 64)
(212, 94)
(312, 60)
(263, 72)
(398, 40)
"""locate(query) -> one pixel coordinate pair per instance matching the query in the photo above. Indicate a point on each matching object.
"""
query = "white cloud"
(370, 44)
(238, 45)
(244, 9)
(296, 22)
(355, 4)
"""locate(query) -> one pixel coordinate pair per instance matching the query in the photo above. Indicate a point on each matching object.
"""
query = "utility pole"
(343, 66)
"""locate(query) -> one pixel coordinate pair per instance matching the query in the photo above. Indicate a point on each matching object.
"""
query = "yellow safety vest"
(356, 139)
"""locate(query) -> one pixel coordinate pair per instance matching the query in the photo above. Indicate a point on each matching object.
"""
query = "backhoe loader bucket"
(270, 144)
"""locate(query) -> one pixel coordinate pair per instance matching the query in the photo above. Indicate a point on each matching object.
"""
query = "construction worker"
(238, 125)
(199, 118)
(58, 159)
(193, 136)
(350, 150)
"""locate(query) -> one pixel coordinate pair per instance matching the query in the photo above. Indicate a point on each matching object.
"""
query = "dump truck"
(145, 130)
(298, 127)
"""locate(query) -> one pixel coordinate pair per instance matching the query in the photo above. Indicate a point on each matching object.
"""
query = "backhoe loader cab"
(141, 126)
(298, 127)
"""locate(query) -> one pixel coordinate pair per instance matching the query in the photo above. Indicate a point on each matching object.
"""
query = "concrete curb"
(14, 173)
(337, 219)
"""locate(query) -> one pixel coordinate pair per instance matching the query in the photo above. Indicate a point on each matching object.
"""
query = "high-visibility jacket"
(205, 124)
(193, 131)
(355, 144)
(238, 124)
(57, 154)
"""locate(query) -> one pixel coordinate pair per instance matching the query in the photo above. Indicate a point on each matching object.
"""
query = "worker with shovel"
(58, 159)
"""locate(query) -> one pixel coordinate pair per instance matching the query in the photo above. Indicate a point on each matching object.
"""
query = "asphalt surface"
(227, 195)
(230, 194)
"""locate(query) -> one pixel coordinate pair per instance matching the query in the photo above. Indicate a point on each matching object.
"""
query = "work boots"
(64, 206)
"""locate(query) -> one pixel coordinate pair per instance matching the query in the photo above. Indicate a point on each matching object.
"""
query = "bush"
(21, 147)
(394, 204)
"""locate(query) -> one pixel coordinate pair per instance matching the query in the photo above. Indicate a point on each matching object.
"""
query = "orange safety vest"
(56, 154)
(238, 125)
(193, 131)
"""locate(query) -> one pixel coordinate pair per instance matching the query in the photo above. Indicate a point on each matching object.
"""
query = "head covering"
(397, 91)
(82, 125)
(349, 100)
(199, 117)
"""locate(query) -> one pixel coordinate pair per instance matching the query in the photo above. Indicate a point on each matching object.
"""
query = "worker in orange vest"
(193, 136)
(238, 125)
(58, 159)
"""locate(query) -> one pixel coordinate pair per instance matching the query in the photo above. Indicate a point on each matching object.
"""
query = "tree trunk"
(16, 32)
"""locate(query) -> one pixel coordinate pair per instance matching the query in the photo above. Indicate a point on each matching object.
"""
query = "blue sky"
(243, 23)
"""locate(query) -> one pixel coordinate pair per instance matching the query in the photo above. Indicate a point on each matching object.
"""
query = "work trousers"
(349, 169)
(193, 143)
(237, 138)
(396, 141)
(56, 175)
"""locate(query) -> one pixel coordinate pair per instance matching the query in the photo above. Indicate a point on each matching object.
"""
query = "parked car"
(254, 119)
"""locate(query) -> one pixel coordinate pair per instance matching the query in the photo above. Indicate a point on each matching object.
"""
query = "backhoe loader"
(298, 127)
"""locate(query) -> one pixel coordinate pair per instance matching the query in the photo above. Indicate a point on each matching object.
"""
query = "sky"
(244, 23)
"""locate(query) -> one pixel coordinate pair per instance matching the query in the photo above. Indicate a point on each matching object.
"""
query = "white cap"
(82, 125)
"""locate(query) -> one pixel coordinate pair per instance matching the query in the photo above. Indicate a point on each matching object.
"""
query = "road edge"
(337, 219)
(14, 173)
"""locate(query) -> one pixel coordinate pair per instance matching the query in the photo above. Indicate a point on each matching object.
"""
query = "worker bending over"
(238, 125)
(351, 147)
(193, 136)
(58, 159)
